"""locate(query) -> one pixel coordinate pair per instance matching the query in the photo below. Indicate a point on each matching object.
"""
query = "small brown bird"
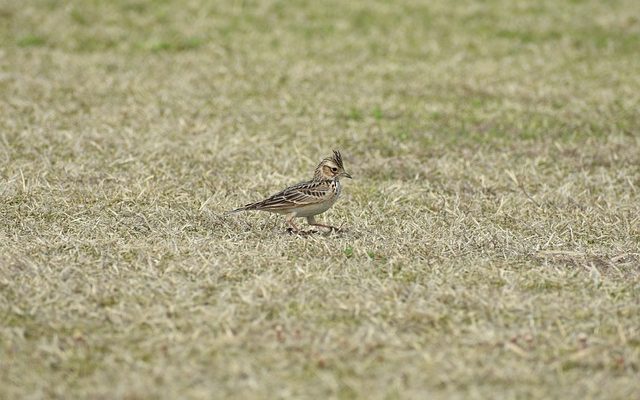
(307, 199)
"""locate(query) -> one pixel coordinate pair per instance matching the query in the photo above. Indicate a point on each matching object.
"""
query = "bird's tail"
(246, 207)
(237, 210)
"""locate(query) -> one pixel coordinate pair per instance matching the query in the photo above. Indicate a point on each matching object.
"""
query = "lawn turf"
(491, 241)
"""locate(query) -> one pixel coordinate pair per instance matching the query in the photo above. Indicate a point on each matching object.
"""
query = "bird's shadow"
(313, 232)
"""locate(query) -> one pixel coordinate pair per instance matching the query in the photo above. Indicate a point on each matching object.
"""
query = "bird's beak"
(347, 175)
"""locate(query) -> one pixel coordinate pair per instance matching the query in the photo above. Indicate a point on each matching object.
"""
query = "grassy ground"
(492, 241)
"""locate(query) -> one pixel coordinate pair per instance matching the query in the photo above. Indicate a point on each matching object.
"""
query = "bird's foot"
(301, 232)
(330, 227)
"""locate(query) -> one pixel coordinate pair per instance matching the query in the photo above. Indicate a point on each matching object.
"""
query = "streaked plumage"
(309, 198)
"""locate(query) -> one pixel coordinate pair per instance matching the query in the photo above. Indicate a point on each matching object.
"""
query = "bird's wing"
(304, 193)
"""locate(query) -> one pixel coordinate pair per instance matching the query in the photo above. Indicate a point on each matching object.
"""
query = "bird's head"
(331, 168)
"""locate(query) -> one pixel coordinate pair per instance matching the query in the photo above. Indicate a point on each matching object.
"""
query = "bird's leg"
(312, 221)
(293, 226)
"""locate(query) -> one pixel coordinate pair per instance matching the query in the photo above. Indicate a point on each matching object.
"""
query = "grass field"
(491, 242)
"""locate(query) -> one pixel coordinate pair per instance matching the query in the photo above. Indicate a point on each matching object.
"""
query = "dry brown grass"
(492, 242)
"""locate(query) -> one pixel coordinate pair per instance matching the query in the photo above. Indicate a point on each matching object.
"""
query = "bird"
(309, 198)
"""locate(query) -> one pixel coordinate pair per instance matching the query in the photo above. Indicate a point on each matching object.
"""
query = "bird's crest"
(337, 158)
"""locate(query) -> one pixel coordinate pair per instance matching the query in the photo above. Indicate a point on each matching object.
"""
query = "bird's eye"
(334, 169)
